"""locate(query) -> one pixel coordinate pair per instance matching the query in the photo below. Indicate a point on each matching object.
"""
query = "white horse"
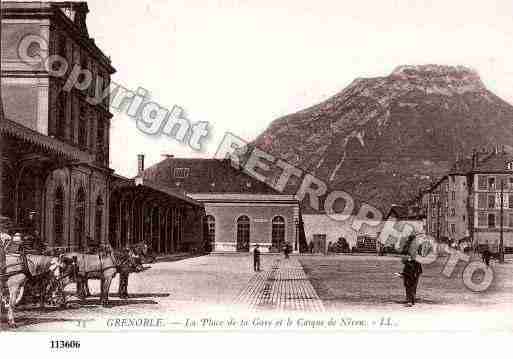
(19, 269)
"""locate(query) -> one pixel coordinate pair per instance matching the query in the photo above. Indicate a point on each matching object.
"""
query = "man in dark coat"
(256, 259)
(286, 250)
(411, 274)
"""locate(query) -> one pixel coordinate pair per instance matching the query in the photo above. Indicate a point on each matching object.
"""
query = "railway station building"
(240, 211)
(56, 181)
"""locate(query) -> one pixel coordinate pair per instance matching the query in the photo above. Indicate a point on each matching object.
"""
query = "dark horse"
(143, 252)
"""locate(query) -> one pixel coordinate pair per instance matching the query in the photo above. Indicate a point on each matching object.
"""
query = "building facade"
(474, 202)
(241, 212)
(56, 155)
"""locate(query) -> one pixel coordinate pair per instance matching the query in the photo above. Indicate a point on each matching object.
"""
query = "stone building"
(56, 180)
(56, 154)
(240, 210)
(469, 202)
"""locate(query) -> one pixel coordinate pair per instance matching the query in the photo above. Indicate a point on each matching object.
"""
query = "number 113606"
(64, 344)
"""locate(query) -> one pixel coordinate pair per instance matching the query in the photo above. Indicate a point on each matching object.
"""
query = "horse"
(142, 250)
(22, 269)
(100, 266)
(124, 262)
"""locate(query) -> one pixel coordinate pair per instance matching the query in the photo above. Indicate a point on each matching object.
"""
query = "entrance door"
(243, 228)
(278, 234)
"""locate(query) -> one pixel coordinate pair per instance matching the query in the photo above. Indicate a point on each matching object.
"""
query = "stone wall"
(260, 215)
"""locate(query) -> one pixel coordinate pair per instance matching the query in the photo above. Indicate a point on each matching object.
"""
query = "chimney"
(140, 164)
(475, 157)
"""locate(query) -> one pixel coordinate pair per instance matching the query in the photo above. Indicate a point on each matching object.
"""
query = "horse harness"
(102, 268)
(24, 267)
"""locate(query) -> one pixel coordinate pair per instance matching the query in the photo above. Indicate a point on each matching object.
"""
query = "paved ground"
(222, 286)
(364, 286)
(283, 287)
(362, 281)
(200, 286)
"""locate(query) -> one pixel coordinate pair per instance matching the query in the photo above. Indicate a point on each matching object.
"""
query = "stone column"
(42, 106)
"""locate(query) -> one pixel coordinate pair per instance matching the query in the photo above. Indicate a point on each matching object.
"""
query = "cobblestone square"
(211, 286)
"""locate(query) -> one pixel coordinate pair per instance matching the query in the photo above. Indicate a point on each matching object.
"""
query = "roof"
(47, 143)
(139, 181)
(205, 176)
(487, 162)
(496, 162)
(406, 212)
(462, 166)
(121, 182)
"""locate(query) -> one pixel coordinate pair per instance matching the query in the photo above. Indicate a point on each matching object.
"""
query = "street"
(169, 294)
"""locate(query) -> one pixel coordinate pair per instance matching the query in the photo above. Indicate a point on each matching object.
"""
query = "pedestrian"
(256, 259)
(411, 275)
(124, 269)
(286, 250)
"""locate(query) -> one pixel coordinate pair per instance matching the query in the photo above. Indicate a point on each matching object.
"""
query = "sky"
(240, 64)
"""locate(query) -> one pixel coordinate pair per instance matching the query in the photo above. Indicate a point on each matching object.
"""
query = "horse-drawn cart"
(32, 278)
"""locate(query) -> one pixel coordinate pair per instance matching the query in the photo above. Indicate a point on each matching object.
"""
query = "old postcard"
(233, 166)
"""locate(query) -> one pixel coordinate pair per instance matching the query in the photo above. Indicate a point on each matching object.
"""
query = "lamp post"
(438, 208)
(501, 237)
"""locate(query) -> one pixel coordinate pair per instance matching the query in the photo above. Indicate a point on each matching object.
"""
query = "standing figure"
(286, 250)
(411, 274)
(124, 271)
(256, 259)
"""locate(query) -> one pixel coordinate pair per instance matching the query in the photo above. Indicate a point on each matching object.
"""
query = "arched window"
(243, 230)
(210, 231)
(98, 221)
(278, 232)
(58, 216)
(80, 213)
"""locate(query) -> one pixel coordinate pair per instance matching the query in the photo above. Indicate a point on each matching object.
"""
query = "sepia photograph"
(253, 166)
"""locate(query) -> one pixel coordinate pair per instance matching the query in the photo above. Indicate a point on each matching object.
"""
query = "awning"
(123, 183)
(45, 143)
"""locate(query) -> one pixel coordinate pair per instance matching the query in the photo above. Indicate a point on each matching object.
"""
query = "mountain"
(382, 139)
